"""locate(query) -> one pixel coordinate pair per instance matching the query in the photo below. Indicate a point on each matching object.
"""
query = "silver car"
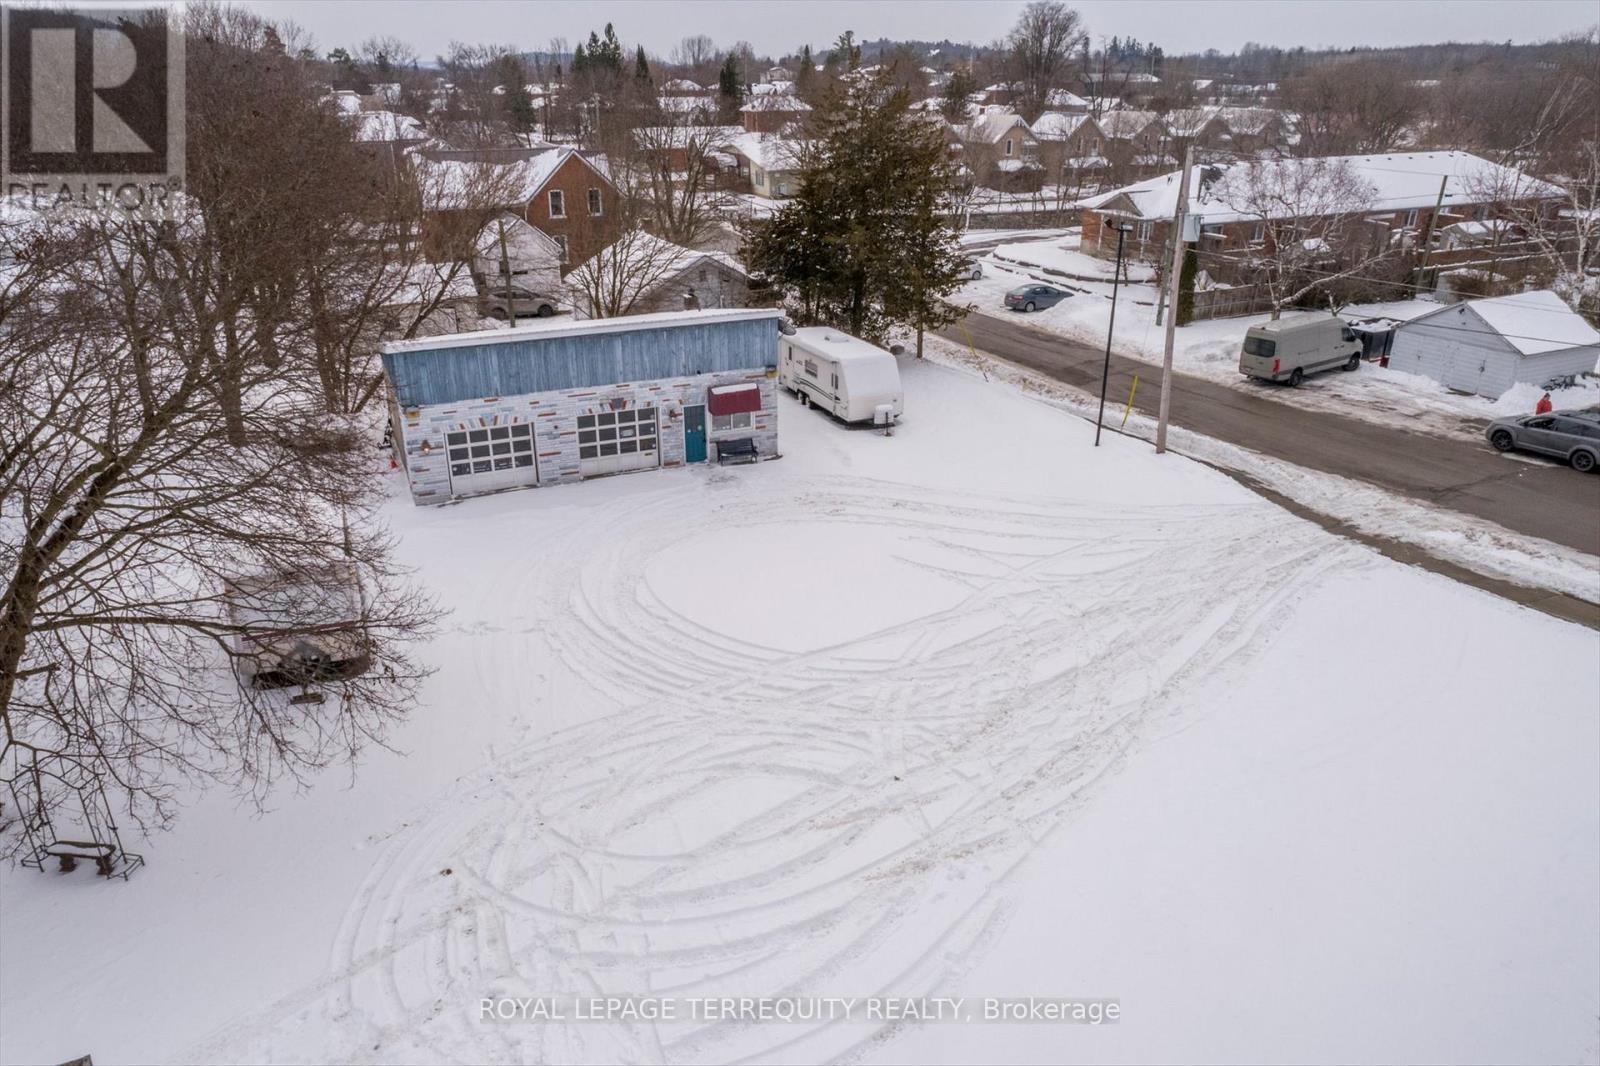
(500, 303)
(1571, 436)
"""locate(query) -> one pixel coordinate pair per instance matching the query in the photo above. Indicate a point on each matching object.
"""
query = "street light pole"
(1105, 372)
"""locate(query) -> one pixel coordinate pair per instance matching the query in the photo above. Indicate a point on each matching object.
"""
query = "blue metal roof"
(522, 363)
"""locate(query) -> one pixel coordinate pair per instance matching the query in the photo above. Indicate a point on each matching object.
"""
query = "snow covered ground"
(976, 709)
(1210, 348)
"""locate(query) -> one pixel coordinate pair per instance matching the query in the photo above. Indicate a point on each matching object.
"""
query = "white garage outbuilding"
(1487, 346)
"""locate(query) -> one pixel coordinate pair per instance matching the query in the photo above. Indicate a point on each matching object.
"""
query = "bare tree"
(668, 169)
(1356, 107)
(695, 53)
(1040, 49)
(1309, 213)
(163, 438)
(1553, 231)
(618, 279)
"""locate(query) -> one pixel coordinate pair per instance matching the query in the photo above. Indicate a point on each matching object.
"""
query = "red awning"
(734, 399)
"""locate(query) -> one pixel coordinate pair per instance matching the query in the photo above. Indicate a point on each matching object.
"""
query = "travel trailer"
(844, 375)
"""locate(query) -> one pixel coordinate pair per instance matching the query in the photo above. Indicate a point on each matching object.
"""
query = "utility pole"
(1105, 373)
(1173, 275)
(505, 273)
(1427, 236)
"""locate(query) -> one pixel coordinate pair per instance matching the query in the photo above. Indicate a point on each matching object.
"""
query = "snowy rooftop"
(454, 183)
(1120, 125)
(553, 328)
(841, 346)
(1534, 322)
(776, 102)
(1396, 182)
(1055, 126)
(639, 261)
(381, 126)
(769, 151)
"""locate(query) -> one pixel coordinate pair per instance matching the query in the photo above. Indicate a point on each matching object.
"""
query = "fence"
(1227, 303)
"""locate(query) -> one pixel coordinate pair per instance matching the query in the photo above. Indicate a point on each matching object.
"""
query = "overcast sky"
(778, 27)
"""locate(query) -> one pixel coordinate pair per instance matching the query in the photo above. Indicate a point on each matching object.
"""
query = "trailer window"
(1260, 346)
(811, 368)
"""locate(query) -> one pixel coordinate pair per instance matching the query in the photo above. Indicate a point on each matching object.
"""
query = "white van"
(1296, 345)
(853, 380)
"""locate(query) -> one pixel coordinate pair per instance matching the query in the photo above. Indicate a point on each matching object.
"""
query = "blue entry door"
(694, 434)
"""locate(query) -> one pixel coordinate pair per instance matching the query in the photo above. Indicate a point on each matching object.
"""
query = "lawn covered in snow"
(1210, 348)
(976, 709)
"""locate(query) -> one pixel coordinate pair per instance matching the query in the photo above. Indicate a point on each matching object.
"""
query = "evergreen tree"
(580, 61)
(957, 91)
(805, 79)
(729, 85)
(641, 68)
(866, 244)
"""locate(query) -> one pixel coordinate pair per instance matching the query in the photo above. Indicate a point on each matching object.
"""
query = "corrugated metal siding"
(514, 367)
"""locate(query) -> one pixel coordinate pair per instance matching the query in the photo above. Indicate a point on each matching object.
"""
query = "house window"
(704, 274)
(1259, 233)
(1143, 232)
(1482, 213)
(596, 208)
(1008, 146)
(558, 204)
(561, 239)
(758, 176)
(741, 420)
(1411, 219)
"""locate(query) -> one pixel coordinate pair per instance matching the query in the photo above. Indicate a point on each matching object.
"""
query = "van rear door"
(1259, 354)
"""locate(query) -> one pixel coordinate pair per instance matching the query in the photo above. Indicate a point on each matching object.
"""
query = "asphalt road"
(1465, 475)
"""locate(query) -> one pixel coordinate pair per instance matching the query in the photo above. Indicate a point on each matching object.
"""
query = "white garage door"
(490, 458)
(613, 442)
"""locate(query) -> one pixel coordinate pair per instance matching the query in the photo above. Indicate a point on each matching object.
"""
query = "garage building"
(561, 401)
(1487, 346)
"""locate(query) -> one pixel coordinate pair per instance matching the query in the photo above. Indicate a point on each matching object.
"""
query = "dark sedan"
(1034, 297)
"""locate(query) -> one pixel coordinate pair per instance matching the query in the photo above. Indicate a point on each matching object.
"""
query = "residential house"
(1401, 191)
(1255, 130)
(1003, 93)
(561, 191)
(1136, 142)
(772, 113)
(1063, 100)
(1002, 152)
(1487, 346)
(561, 401)
(1071, 146)
(510, 252)
(644, 274)
(1198, 127)
(769, 162)
(684, 87)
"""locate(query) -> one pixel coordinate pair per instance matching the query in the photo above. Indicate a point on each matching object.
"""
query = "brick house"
(1137, 142)
(1402, 187)
(561, 192)
(772, 112)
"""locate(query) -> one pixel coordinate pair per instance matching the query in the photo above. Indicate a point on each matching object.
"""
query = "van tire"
(1354, 362)
(1296, 376)
(1502, 440)
(1582, 461)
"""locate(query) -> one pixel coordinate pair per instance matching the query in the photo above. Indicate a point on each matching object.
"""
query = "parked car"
(972, 270)
(500, 303)
(1571, 436)
(1034, 296)
(1289, 348)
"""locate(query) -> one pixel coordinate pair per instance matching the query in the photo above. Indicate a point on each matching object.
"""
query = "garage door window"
(611, 442)
(489, 458)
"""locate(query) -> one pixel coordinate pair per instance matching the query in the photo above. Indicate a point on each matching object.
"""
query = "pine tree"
(805, 78)
(866, 244)
(729, 85)
(641, 68)
(957, 91)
